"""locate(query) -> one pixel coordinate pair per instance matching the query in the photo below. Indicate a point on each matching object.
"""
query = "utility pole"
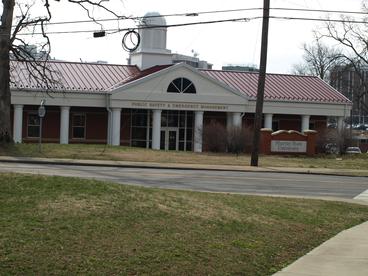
(261, 84)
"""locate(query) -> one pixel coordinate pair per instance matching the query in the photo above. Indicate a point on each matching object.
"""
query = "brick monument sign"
(288, 142)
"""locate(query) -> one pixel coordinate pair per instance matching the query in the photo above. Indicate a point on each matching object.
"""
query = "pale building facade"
(156, 104)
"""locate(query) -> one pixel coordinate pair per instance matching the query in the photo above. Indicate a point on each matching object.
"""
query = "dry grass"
(69, 226)
(102, 152)
(69, 205)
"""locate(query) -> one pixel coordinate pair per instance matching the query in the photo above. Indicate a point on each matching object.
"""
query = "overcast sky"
(220, 44)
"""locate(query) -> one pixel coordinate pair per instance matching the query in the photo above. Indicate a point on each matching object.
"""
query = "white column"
(198, 131)
(18, 123)
(64, 124)
(156, 129)
(229, 121)
(305, 122)
(340, 124)
(237, 120)
(268, 121)
(115, 133)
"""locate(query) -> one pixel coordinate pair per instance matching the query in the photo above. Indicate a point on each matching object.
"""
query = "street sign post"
(41, 114)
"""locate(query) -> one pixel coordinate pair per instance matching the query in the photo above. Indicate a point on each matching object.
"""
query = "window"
(141, 128)
(181, 85)
(275, 125)
(79, 126)
(33, 126)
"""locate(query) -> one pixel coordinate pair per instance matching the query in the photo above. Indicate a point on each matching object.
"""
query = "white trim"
(99, 100)
(237, 120)
(116, 126)
(18, 123)
(305, 123)
(156, 129)
(268, 120)
(64, 124)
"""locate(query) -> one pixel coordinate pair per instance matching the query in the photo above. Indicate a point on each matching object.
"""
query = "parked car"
(360, 127)
(353, 150)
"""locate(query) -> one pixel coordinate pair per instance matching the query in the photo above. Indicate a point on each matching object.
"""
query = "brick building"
(156, 104)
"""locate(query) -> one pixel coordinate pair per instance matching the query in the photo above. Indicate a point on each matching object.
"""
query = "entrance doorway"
(169, 138)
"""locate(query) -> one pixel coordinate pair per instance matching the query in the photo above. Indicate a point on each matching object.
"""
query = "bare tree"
(319, 59)
(12, 45)
(353, 39)
(236, 140)
(333, 141)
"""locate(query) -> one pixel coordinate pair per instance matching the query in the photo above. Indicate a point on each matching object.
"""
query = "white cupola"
(152, 48)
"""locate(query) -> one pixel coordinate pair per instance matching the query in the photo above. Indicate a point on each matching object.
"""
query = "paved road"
(206, 180)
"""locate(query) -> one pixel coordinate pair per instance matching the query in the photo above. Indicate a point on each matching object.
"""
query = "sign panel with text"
(288, 146)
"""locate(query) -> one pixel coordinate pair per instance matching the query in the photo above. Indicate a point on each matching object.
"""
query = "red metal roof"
(96, 77)
(73, 76)
(141, 74)
(280, 86)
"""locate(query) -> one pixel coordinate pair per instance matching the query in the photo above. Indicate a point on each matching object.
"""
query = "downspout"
(109, 142)
(241, 119)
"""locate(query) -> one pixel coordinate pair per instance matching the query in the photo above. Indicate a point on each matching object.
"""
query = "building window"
(33, 126)
(79, 126)
(141, 128)
(312, 125)
(181, 85)
(179, 121)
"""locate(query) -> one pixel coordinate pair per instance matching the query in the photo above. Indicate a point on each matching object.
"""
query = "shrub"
(332, 141)
(214, 137)
(236, 140)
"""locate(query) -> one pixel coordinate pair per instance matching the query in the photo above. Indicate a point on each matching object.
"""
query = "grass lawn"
(68, 226)
(103, 152)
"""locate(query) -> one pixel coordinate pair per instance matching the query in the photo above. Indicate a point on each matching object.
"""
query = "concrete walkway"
(346, 254)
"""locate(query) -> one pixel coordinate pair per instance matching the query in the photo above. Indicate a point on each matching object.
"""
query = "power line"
(146, 27)
(321, 19)
(243, 19)
(320, 10)
(189, 14)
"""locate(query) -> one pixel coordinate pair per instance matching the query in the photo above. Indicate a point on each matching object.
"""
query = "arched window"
(181, 85)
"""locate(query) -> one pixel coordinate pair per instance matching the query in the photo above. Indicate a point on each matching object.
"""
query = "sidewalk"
(131, 164)
(345, 254)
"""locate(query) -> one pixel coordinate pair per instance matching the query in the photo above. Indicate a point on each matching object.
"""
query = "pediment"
(153, 88)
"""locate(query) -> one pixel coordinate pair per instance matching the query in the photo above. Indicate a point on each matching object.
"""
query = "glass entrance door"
(169, 138)
(172, 140)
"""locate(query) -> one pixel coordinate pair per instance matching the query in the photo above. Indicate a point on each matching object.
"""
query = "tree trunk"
(5, 32)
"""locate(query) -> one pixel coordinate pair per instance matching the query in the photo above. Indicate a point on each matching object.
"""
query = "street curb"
(164, 166)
